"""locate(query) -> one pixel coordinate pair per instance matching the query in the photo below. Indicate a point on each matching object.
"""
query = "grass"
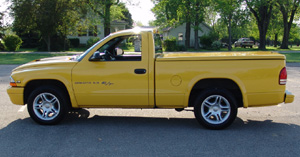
(292, 57)
(21, 58)
(77, 49)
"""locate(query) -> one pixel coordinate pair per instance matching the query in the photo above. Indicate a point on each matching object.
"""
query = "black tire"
(47, 105)
(215, 108)
(251, 47)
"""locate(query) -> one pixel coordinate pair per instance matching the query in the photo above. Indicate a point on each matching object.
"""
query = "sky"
(139, 9)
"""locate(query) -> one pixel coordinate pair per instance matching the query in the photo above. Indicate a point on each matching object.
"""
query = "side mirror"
(119, 51)
(96, 56)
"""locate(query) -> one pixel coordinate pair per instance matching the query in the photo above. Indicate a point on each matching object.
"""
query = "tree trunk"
(262, 38)
(107, 19)
(196, 44)
(263, 16)
(287, 24)
(229, 32)
(48, 42)
(188, 25)
(187, 34)
(276, 40)
(286, 32)
(196, 27)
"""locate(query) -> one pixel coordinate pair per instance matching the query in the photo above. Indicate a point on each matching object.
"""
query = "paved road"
(266, 131)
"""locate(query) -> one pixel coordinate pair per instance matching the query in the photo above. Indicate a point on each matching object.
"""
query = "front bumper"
(289, 97)
(16, 95)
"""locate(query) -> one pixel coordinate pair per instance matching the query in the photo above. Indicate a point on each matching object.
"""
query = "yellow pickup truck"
(128, 70)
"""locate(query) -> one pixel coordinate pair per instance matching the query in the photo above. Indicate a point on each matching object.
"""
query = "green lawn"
(292, 57)
(21, 58)
(268, 48)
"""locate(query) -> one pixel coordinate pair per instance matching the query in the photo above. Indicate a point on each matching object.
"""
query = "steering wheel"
(109, 56)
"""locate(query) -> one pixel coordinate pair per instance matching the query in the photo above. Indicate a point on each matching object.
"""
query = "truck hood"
(255, 55)
(48, 62)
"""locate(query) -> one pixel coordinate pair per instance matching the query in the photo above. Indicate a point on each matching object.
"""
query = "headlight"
(12, 82)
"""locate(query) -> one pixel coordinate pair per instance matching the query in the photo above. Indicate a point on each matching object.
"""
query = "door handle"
(140, 71)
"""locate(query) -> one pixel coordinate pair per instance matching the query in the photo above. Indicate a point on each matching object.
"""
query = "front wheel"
(215, 108)
(47, 105)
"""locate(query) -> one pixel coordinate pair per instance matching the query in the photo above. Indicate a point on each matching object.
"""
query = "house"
(179, 33)
(98, 31)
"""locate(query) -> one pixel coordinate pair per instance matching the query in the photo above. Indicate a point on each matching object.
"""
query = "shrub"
(58, 43)
(74, 42)
(1, 45)
(92, 41)
(12, 42)
(216, 45)
(30, 40)
(207, 39)
(170, 44)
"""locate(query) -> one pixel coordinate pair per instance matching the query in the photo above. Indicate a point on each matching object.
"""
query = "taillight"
(283, 76)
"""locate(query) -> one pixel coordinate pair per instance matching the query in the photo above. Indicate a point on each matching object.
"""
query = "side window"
(123, 48)
(180, 36)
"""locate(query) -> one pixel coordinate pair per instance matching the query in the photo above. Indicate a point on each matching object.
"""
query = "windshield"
(81, 56)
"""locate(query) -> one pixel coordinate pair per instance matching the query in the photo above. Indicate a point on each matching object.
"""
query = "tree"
(187, 19)
(197, 18)
(288, 8)
(262, 11)
(127, 17)
(227, 8)
(171, 13)
(211, 16)
(1, 25)
(102, 8)
(276, 25)
(47, 17)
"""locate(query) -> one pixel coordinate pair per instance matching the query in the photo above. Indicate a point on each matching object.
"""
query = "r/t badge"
(107, 83)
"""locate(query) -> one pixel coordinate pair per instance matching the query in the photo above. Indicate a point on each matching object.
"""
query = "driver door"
(121, 81)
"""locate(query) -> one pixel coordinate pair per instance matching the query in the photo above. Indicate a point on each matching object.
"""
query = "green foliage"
(1, 46)
(170, 44)
(59, 43)
(262, 11)
(92, 41)
(207, 40)
(125, 15)
(75, 42)
(12, 42)
(216, 45)
(46, 17)
(1, 26)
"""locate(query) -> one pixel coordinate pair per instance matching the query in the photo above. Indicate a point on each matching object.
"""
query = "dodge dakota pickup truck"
(127, 70)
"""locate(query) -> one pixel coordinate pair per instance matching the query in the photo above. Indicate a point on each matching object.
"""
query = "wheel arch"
(33, 84)
(225, 83)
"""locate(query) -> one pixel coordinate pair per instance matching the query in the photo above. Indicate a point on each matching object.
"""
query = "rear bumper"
(289, 97)
(16, 95)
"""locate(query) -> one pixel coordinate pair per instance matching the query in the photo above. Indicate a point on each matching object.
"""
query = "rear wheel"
(47, 105)
(215, 108)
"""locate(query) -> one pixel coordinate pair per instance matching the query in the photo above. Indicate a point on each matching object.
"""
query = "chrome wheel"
(46, 106)
(215, 109)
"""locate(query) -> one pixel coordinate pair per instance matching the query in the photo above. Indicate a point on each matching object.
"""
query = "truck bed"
(260, 55)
